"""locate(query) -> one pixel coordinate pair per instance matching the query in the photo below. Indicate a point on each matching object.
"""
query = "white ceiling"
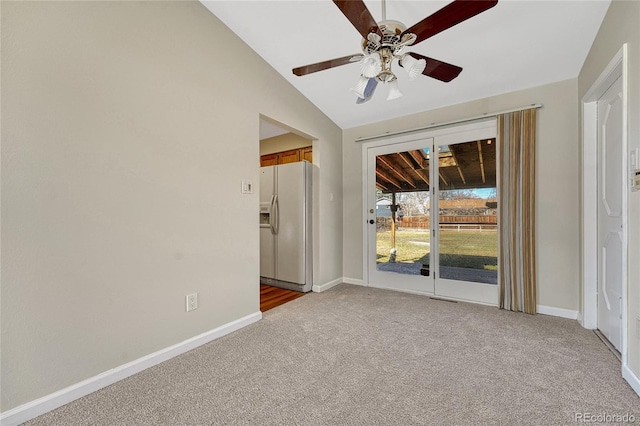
(512, 46)
(268, 130)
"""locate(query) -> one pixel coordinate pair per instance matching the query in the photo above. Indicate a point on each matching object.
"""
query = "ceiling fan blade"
(368, 91)
(359, 16)
(320, 66)
(437, 69)
(450, 15)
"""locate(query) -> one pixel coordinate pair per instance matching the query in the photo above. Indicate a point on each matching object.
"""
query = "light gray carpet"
(360, 356)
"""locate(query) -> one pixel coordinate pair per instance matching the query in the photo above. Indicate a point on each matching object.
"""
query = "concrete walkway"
(447, 272)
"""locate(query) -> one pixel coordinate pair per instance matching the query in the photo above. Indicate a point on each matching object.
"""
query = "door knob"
(371, 221)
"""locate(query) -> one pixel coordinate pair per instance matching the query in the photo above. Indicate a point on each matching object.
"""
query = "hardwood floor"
(270, 297)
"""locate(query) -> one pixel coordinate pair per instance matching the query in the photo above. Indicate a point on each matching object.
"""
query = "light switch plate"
(247, 187)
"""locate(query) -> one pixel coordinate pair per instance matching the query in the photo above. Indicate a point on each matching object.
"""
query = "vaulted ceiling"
(515, 45)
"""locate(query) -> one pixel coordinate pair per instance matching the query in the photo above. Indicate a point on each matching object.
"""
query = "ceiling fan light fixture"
(386, 76)
(360, 86)
(371, 65)
(394, 90)
(413, 66)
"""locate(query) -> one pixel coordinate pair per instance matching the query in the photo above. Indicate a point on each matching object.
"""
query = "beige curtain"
(516, 207)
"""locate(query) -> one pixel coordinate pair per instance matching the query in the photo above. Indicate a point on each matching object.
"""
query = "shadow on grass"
(454, 260)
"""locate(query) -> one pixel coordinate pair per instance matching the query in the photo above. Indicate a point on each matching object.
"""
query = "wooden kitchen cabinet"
(290, 156)
(269, 160)
(306, 154)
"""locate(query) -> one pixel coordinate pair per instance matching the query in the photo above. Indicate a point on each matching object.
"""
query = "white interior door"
(611, 170)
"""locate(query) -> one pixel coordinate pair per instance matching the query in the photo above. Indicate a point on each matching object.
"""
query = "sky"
(485, 192)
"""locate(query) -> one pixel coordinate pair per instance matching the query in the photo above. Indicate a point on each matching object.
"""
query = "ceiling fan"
(387, 40)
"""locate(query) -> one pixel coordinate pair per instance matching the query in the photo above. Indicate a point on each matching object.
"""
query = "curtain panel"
(516, 213)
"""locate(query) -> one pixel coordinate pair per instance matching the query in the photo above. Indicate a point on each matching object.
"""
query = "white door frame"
(474, 125)
(617, 68)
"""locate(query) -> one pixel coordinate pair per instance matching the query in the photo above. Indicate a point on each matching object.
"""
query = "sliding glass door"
(467, 229)
(431, 218)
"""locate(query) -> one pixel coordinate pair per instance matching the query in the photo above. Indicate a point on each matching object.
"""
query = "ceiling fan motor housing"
(391, 37)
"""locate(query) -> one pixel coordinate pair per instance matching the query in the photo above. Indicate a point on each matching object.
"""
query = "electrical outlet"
(191, 301)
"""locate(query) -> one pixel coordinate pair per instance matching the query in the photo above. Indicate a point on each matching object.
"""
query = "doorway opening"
(286, 222)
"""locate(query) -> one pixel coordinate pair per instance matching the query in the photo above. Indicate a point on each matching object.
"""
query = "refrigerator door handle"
(272, 217)
(276, 210)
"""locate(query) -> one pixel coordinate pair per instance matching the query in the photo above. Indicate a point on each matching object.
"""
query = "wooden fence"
(464, 222)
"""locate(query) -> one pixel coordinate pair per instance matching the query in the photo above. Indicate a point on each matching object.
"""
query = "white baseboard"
(545, 310)
(326, 286)
(353, 281)
(64, 396)
(631, 378)
(557, 312)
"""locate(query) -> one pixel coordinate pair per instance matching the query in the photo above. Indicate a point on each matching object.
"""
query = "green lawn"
(466, 249)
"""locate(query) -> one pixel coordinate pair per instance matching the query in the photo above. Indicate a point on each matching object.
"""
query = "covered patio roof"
(469, 165)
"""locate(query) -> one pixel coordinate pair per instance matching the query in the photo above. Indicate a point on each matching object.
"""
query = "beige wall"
(622, 25)
(124, 142)
(556, 183)
(283, 143)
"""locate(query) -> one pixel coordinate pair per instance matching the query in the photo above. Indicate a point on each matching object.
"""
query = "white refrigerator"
(286, 226)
